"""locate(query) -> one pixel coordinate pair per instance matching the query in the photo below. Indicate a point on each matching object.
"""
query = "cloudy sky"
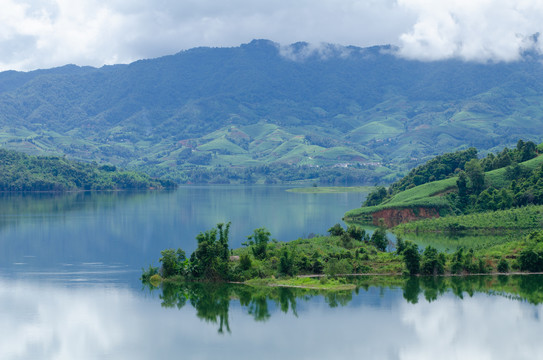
(47, 33)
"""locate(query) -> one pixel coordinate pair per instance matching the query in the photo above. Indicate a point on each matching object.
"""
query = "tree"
(245, 262)
(173, 262)
(356, 233)
(400, 245)
(223, 239)
(336, 230)
(210, 259)
(375, 197)
(526, 150)
(411, 258)
(476, 176)
(259, 242)
(530, 260)
(462, 184)
(432, 262)
(503, 266)
(379, 239)
(286, 263)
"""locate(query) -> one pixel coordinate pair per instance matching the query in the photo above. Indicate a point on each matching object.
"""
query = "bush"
(411, 258)
(146, 275)
(356, 233)
(245, 262)
(379, 239)
(432, 262)
(334, 267)
(286, 263)
(336, 230)
(346, 241)
(530, 260)
(155, 280)
(503, 266)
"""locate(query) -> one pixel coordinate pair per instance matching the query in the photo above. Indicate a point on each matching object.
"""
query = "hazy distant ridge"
(260, 104)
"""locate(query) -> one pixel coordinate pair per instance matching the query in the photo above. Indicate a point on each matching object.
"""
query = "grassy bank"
(529, 217)
(427, 195)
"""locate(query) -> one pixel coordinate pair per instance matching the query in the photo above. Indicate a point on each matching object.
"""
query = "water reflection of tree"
(522, 287)
(212, 300)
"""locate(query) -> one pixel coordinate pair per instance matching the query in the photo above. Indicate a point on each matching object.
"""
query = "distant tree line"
(21, 172)
(270, 174)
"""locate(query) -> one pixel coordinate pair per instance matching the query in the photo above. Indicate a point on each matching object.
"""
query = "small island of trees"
(343, 252)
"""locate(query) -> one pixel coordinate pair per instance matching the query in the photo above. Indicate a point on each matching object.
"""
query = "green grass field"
(426, 195)
(430, 194)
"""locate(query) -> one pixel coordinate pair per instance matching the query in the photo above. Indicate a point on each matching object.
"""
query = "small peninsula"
(454, 192)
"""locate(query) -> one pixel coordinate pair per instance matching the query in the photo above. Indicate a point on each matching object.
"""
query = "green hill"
(510, 186)
(20, 172)
(251, 107)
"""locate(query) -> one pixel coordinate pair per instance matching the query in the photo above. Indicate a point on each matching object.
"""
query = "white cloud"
(479, 30)
(47, 33)
(47, 321)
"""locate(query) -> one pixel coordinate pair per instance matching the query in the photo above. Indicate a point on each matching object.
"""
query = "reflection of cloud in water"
(53, 322)
(481, 327)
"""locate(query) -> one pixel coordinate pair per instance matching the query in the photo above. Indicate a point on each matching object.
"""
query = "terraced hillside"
(252, 106)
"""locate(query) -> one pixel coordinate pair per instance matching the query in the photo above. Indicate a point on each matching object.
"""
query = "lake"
(69, 288)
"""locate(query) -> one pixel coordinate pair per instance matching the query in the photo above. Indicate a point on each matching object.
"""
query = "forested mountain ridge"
(262, 105)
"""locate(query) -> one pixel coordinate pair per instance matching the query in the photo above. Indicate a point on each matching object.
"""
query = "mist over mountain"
(262, 104)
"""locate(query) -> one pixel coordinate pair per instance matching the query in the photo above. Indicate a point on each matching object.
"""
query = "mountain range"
(262, 104)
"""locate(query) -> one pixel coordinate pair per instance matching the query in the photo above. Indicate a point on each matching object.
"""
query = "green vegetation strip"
(316, 283)
(331, 189)
(344, 252)
(421, 196)
(529, 217)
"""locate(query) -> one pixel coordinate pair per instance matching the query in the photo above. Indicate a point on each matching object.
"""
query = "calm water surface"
(69, 289)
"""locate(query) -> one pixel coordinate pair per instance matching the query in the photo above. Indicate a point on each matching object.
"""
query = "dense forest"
(21, 172)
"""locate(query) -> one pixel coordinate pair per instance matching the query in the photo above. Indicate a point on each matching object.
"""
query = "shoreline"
(334, 283)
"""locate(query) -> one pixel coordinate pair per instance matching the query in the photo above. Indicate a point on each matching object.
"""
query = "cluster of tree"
(344, 251)
(432, 262)
(523, 152)
(531, 257)
(438, 168)
(525, 187)
(474, 193)
(209, 262)
(21, 172)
